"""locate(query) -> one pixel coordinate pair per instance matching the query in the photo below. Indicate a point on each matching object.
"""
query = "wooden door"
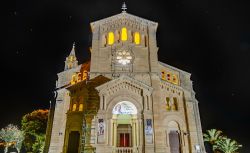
(73, 143)
(174, 141)
(124, 139)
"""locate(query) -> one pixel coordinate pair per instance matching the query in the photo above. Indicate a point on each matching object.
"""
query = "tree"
(212, 136)
(12, 136)
(226, 145)
(34, 126)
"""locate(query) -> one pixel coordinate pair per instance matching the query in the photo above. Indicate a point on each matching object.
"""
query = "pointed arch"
(137, 38)
(124, 34)
(111, 38)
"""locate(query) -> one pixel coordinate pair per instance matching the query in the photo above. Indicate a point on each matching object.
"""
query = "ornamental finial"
(124, 7)
(72, 53)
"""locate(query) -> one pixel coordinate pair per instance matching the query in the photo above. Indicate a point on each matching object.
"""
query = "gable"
(124, 82)
(123, 19)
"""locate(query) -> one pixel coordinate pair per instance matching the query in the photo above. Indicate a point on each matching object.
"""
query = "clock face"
(123, 57)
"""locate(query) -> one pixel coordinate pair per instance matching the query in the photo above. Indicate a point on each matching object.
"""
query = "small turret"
(71, 60)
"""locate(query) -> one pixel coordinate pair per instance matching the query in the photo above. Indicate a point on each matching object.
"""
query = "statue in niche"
(100, 127)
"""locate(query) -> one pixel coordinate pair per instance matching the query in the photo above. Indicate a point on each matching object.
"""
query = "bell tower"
(123, 43)
(71, 60)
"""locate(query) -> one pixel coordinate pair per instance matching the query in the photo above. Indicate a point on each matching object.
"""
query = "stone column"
(115, 134)
(133, 133)
(137, 133)
(145, 102)
(101, 102)
(87, 147)
(111, 132)
(141, 129)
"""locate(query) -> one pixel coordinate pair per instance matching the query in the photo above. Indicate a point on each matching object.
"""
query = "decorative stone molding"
(124, 19)
(124, 82)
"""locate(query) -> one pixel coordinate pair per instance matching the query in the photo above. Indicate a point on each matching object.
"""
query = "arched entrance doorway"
(174, 137)
(73, 143)
(125, 127)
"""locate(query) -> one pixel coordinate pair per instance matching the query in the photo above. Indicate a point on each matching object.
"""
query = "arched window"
(175, 104)
(163, 75)
(167, 104)
(73, 79)
(79, 77)
(137, 38)
(124, 34)
(169, 76)
(81, 107)
(74, 107)
(111, 38)
(175, 79)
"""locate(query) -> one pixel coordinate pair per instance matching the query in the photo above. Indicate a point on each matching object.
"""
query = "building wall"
(143, 84)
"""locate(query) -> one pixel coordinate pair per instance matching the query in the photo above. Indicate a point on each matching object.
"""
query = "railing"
(125, 150)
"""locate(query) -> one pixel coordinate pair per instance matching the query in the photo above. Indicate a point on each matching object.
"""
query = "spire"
(72, 53)
(124, 7)
(71, 60)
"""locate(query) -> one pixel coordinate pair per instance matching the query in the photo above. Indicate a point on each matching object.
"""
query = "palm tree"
(226, 145)
(212, 136)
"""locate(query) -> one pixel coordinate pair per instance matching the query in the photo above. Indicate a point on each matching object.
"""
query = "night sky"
(210, 39)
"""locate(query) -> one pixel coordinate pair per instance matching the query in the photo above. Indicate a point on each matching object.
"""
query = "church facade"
(123, 100)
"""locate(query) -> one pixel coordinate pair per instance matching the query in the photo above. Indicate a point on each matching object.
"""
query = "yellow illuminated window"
(74, 107)
(111, 38)
(167, 104)
(73, 80)
(85, 75)
(137, 39)
(175, 79)
(163, 75)
(79, 77)
(81, 107)
(169, 76)
(124, 34)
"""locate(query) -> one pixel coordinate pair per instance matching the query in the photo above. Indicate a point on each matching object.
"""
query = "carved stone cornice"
(123, 19)
(124, 82)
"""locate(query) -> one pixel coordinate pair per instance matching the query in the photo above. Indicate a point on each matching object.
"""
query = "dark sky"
(210, 39)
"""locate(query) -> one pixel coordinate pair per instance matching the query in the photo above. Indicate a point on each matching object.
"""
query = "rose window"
(124, 57)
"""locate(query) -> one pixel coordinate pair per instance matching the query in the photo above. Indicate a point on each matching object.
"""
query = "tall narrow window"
(175, 79)
(74, 107)
(111, 38)
(73, 79)
(137, 38)
(167, 104)
(163, 75)
(124, 34)
(168, 76)
(81, 107)
(175, 105)
(79, 77)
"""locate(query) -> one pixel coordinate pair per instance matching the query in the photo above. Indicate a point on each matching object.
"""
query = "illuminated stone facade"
(124, 99)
